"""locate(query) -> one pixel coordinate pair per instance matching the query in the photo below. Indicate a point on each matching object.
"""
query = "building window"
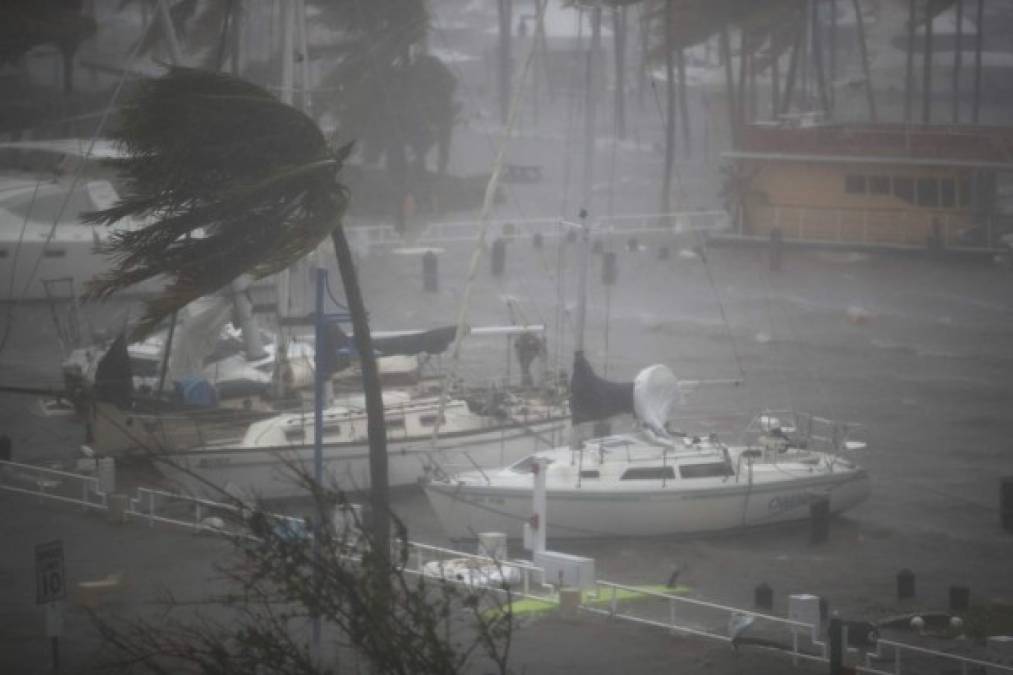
(928, 192)
(649, 473)
(904, 188)
(590, 473)
(879, 185)
(965, 192)
(854, 184)
(947, 193)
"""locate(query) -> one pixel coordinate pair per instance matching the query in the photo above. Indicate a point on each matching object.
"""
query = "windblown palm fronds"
(232, 180)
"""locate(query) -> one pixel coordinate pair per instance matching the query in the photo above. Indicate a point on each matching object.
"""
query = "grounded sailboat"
(655, 482)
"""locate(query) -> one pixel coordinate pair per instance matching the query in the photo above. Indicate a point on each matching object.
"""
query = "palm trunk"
(775, 82)
(870, 95)
(927, 67)
(817, 45)
(958, 61)
(680, 62)
(726, 56)
(665, 204)
(833, 53)
(909, 66)
(742, 101)
(976, 109)
(505, 24)
(378, 480)
(789, 80)
(619, 47)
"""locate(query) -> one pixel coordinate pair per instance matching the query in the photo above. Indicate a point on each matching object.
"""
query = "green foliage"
(230, 181)
(387, 95)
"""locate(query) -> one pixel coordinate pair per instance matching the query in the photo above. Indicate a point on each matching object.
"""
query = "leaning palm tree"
(232, 182)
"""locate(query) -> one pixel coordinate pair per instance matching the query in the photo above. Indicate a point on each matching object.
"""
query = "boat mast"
(585, 247)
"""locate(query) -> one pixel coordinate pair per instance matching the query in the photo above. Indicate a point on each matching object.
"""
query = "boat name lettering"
(789, 502)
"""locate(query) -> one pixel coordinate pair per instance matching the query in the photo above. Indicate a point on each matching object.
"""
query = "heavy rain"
(506, 336)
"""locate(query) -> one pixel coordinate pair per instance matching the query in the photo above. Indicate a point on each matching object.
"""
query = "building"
(884, 185)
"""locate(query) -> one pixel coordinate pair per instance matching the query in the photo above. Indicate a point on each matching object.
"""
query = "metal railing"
(897, 227)
(675, 613)
(53, 484)
(710, 620)
(892, 652)
(548, 228)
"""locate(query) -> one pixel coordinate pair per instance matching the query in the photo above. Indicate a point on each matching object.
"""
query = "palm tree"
(978, 39)
(234, 182)
(870, 96)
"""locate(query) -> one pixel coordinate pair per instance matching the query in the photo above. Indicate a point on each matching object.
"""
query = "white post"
(534, 529)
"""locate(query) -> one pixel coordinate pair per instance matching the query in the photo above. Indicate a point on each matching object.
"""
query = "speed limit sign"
(50, 582)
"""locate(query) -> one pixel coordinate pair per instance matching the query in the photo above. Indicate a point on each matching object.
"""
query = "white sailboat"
(646, 484)
(265, 463)
(652, 482)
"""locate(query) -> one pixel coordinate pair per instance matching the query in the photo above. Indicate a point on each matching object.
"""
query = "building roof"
(965, 146)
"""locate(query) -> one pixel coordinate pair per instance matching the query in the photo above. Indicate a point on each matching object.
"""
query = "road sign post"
(49, 577)
(50, 590)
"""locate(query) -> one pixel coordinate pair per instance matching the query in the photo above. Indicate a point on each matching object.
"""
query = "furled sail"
(435, 341)
(114, 379)
(595, 398)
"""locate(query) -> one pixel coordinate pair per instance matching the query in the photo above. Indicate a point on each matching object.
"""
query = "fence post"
(836, 635)
(613, 604)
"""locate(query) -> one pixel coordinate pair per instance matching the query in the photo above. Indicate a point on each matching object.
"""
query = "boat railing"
(819, 433)
(422, 556)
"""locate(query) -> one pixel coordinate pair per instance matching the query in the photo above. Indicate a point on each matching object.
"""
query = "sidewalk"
(154, 560)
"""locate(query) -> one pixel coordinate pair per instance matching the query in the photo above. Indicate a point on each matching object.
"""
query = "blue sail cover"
(594, 398)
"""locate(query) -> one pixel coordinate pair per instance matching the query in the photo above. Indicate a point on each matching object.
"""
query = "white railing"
(710, 620)
(892, 652)
(53, 484)
(886, 227)
(548, 228)
(680, 614)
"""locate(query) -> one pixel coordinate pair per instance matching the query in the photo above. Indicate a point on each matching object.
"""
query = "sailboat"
(659, 482)
(654, 481)
(211, 386)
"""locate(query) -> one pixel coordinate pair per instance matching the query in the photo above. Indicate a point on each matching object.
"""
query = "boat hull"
(466, 510)
(271, 473)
